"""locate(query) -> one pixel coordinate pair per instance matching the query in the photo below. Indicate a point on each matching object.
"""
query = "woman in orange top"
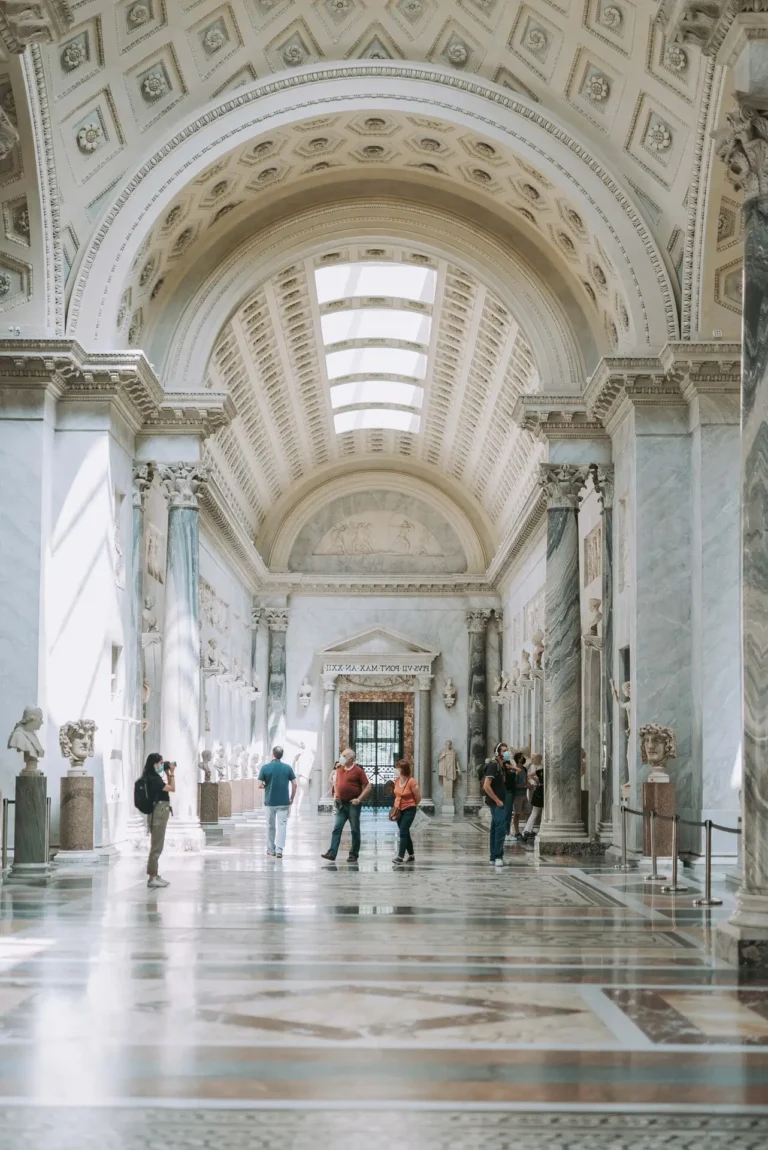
(407, 799)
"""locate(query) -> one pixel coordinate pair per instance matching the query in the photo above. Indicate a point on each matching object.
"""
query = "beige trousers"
(158, 821)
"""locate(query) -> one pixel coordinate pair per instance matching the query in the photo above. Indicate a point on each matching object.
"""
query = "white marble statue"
(23, 738)
(448, 769)
(305, 693)
(205, 764)
(514, 674)
(538, 648)
(253, 764)
(504, 683)
(234, 761)
(657, 745)
(219, 762)
(76, 743)
(525, 664)
(625, 704)
(449, 693)
(242, 763)
(595, 616)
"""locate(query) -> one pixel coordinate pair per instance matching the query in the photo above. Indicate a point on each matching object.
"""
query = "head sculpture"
(23, 738)
(76, 742)
(657, 745)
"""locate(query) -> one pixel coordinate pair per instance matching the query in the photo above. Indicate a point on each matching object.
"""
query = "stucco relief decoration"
(155, 552)
(139, 14)
(611, 16)
(457, 53)
(294, 55)
(596, 87)
(214, 38)
(74, 54)
(154, 85)
(9, 136)
(744, 150)
(659, 136)
(676, 58)
(5, 284)
(90, 137)
(380, 534)
(533, 616)
(536, 39)
(449, 694)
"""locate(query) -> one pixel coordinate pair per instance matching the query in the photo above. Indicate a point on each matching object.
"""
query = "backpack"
(141, 799)
(482, 770)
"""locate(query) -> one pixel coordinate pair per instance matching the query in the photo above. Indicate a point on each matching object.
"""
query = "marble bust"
(595, 616)
(76, 743)
(219, 762)
(525, 665)
(205, 764)
(449, 693)
(305, 693)
(538, 648)
(23, 738)
(657, 745)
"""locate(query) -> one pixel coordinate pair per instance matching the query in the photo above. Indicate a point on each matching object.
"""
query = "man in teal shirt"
(277, 778)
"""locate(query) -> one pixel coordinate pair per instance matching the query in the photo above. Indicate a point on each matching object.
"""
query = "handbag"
(395, 811)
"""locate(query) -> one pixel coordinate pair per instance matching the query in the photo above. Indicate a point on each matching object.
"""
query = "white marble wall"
(317, 622)
(26, 454)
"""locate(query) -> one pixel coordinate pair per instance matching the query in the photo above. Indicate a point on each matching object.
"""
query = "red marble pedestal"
(659, 797)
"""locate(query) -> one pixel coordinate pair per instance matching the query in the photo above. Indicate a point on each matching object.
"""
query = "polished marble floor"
(296, 1003)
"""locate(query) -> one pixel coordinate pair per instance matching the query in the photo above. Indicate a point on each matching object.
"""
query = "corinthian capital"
(277, 620)
(744, 150)
(562, 483)
(142, 481)
(477, 621)
(602, 477)
(182, 483)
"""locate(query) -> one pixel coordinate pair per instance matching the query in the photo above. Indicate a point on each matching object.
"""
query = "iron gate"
(376, 731)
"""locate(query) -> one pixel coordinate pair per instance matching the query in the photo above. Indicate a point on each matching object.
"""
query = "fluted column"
(603, 480)
(425, 735)
(744, 939)
(327, 732)
(182, 484)
(562, 830)
(136, 828)
(277, 621)
(477, 730)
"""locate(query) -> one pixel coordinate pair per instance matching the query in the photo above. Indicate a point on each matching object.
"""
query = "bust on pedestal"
(76, 812)
(209, 793)
(657, 746)
(30, 841)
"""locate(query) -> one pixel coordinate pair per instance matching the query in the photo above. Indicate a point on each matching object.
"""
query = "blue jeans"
(344, 812)
(498, 830)
(509, 808)
(404, 825)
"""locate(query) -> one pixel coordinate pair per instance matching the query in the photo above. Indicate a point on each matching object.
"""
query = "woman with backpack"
(407, 799)
(157, 782)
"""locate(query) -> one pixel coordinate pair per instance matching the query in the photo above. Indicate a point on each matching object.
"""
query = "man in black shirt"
(494, 786)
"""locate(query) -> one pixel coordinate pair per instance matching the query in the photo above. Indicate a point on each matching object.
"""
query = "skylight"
(369, 391)
(376, 323)
(376, 361)
(372, 417)
(403, 281)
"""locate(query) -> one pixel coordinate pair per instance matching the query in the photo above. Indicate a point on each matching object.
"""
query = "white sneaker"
(499, 862)
(156, 882)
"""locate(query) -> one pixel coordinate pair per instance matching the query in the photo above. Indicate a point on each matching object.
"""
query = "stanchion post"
(674, 886)
(708, 900)
(6, 803)
(47, 830)
(654, 876)
(623, 865)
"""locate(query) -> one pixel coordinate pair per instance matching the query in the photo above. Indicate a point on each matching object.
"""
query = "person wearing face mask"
(157, 782)
(510, 782)
(494, 786)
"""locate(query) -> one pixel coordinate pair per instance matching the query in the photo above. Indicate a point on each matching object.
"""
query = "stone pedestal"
(209, 803)
(76, 817)
(225, 800)
(249, 794)
(237, 796)
(659, 797)
(30, 836)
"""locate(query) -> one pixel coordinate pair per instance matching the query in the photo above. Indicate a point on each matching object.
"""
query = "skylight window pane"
(375, 361)
(376, 323)
(403, 281)
(376, 391)
(376, 417)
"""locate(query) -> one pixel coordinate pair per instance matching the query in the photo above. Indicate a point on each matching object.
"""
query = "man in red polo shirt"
(349, 790)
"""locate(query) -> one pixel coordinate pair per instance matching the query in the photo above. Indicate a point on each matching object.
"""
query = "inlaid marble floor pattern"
(295, 1004)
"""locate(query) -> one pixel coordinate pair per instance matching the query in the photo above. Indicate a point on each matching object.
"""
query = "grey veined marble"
(562, 683)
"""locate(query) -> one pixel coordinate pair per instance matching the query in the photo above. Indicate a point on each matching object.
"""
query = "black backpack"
(141, 799)
(481, 771)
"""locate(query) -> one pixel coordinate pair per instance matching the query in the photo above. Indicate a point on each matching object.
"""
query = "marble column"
(493, 675)
(424, 775)
(327, 732)
(136, 829)
(602, 476)
(537, 720)
(562, 829)
(277, 622)
(182, 484)
(744, 938)
(256, 614)
(477, 622)
(592, 664)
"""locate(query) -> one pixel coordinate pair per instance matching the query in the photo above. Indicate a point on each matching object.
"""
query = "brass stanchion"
(708, 900)
(623, 865)
(654, 876)
(674, 886)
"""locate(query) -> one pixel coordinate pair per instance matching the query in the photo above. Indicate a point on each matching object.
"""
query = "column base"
(184, 838)
(87, 858)
(427, 806)
(472, 807)
(28, 872)
(605, 834)
(566, 839)
(742, 946)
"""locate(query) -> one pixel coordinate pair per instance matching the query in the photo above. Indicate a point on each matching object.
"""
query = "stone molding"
(563, 483)
(182, 484)
(556, 417)
(23, 23)
(143, 474)
(277, 619)
(703, 22)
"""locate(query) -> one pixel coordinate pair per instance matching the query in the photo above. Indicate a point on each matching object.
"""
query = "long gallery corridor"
(257, 1003)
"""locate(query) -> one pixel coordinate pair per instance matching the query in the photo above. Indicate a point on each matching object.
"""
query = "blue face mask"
(506, 756)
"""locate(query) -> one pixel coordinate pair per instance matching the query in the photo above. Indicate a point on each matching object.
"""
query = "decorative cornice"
(556, 417)
(219, 521)
(704, 22)
(704, 368)
(191, 413)
(43, 136)
(23, 22)
(529, 519)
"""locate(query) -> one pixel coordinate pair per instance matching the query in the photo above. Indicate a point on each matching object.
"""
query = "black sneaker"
(329, 856)
(351, 858)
